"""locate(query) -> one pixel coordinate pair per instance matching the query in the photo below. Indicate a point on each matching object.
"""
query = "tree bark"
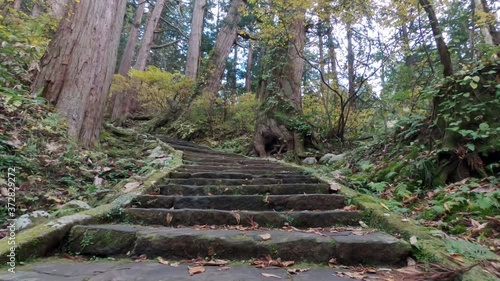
(248, 80)
(194, 46)
(490, 35)
(225, 40)
(286, 81)
(36, 10)
(147, 41)
(77, 69)
(350, 67)
(332, 57)
(444, 54)
(57, 8)
(17, 5)
(128, 54)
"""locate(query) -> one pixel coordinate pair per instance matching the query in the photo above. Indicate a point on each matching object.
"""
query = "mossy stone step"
(238, 169)
(182, 243)
(228, 182)
(273, 189)
(190, 217)
(236, 175)
(243, 202)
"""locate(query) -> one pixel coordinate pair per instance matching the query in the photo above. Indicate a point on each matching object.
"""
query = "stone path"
(232, 207)
(225, 206)
(149, 271)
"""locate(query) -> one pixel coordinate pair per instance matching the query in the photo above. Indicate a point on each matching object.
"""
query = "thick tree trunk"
(248, 80)
(123, 102)
(444, 54)
(57, 8)
(128, 54)
(225, 40)
(490, 35)
(350, 67)
(147, 41)
(234, 71)
(332, 57)
(17, 5)
(77, 69)
(287, 88)
(194, 46)
(36, 10)
(324, 95)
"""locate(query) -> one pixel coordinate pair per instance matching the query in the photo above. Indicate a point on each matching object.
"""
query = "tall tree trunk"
(36, 10)
(234, 71)
(332, 57)
(128, 54)
(225, 40)
(444, 54)
(17, 5)
(57, 8)
(324, 95)
(284, 85)
(248, 80)
(350, 67)
(77, 69)
(147, 41)
(123, 102)
(490, 35)
(194, 46)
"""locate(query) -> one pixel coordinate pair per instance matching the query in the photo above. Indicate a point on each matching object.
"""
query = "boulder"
(310, 161)
(161, 162)
(30, 219)
(157, 152)
(76, 204)
(336, 158)
(325, 158)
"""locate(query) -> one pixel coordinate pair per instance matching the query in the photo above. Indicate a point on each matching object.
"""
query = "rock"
(157, 152)
(336, 158)
(161, 162)
(76, 204)
(23, 223)
(325, 158)
(28, 220)
(310, 161)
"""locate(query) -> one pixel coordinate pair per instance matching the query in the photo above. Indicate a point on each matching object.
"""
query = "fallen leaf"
(457, 257)
(210, 251)
(332, 262)
(213, 263)
(222, 268)
(363, 224)
(169, 218)
(98, 181)
(287, 263)
(265, 236)
(385, 206)
(413, 240)
(237, 217)
(297, 270)
(52, 147)
(195, 270)
(142, 257)
(350, 208)
(162, 261)
(174, 264)
(270, 275)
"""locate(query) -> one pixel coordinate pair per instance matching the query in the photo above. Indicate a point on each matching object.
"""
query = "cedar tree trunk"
(194, 46)
(147, 41)
(77, 69)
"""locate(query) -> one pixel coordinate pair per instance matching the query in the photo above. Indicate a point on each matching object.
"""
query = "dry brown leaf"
(169, 218)
(287, 263)
(142, 257)
(174, 264)
(457, 257)
(265, 236)
(270, 275)
(213, 263)
(332, 262)
(162, 261)
(352, 275)
(297, 270)
(211, 251)
(195, 270)
(222, 268)
(237, 217)
(350, 208)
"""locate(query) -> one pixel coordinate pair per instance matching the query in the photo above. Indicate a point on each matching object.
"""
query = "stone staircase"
(226, 206)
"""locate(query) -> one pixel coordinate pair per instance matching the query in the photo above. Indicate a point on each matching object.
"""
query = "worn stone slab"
(273, 189)
(229, 182)
(239, 169)
(190, 217)
(241, 175)
(243, 202)
(181, 243)
(153, 271)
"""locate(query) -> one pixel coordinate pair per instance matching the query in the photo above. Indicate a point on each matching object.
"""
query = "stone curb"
(428, 249)
(44, 238)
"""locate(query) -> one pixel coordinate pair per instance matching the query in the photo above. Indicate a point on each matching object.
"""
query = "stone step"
(240, 175)
(233, 182)
(372, 248)
(237, 169)
(231, 161)
(243, 202)
(201, 155)
(203, 151)
(271, 219)
(181, 142)
(273, 189)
